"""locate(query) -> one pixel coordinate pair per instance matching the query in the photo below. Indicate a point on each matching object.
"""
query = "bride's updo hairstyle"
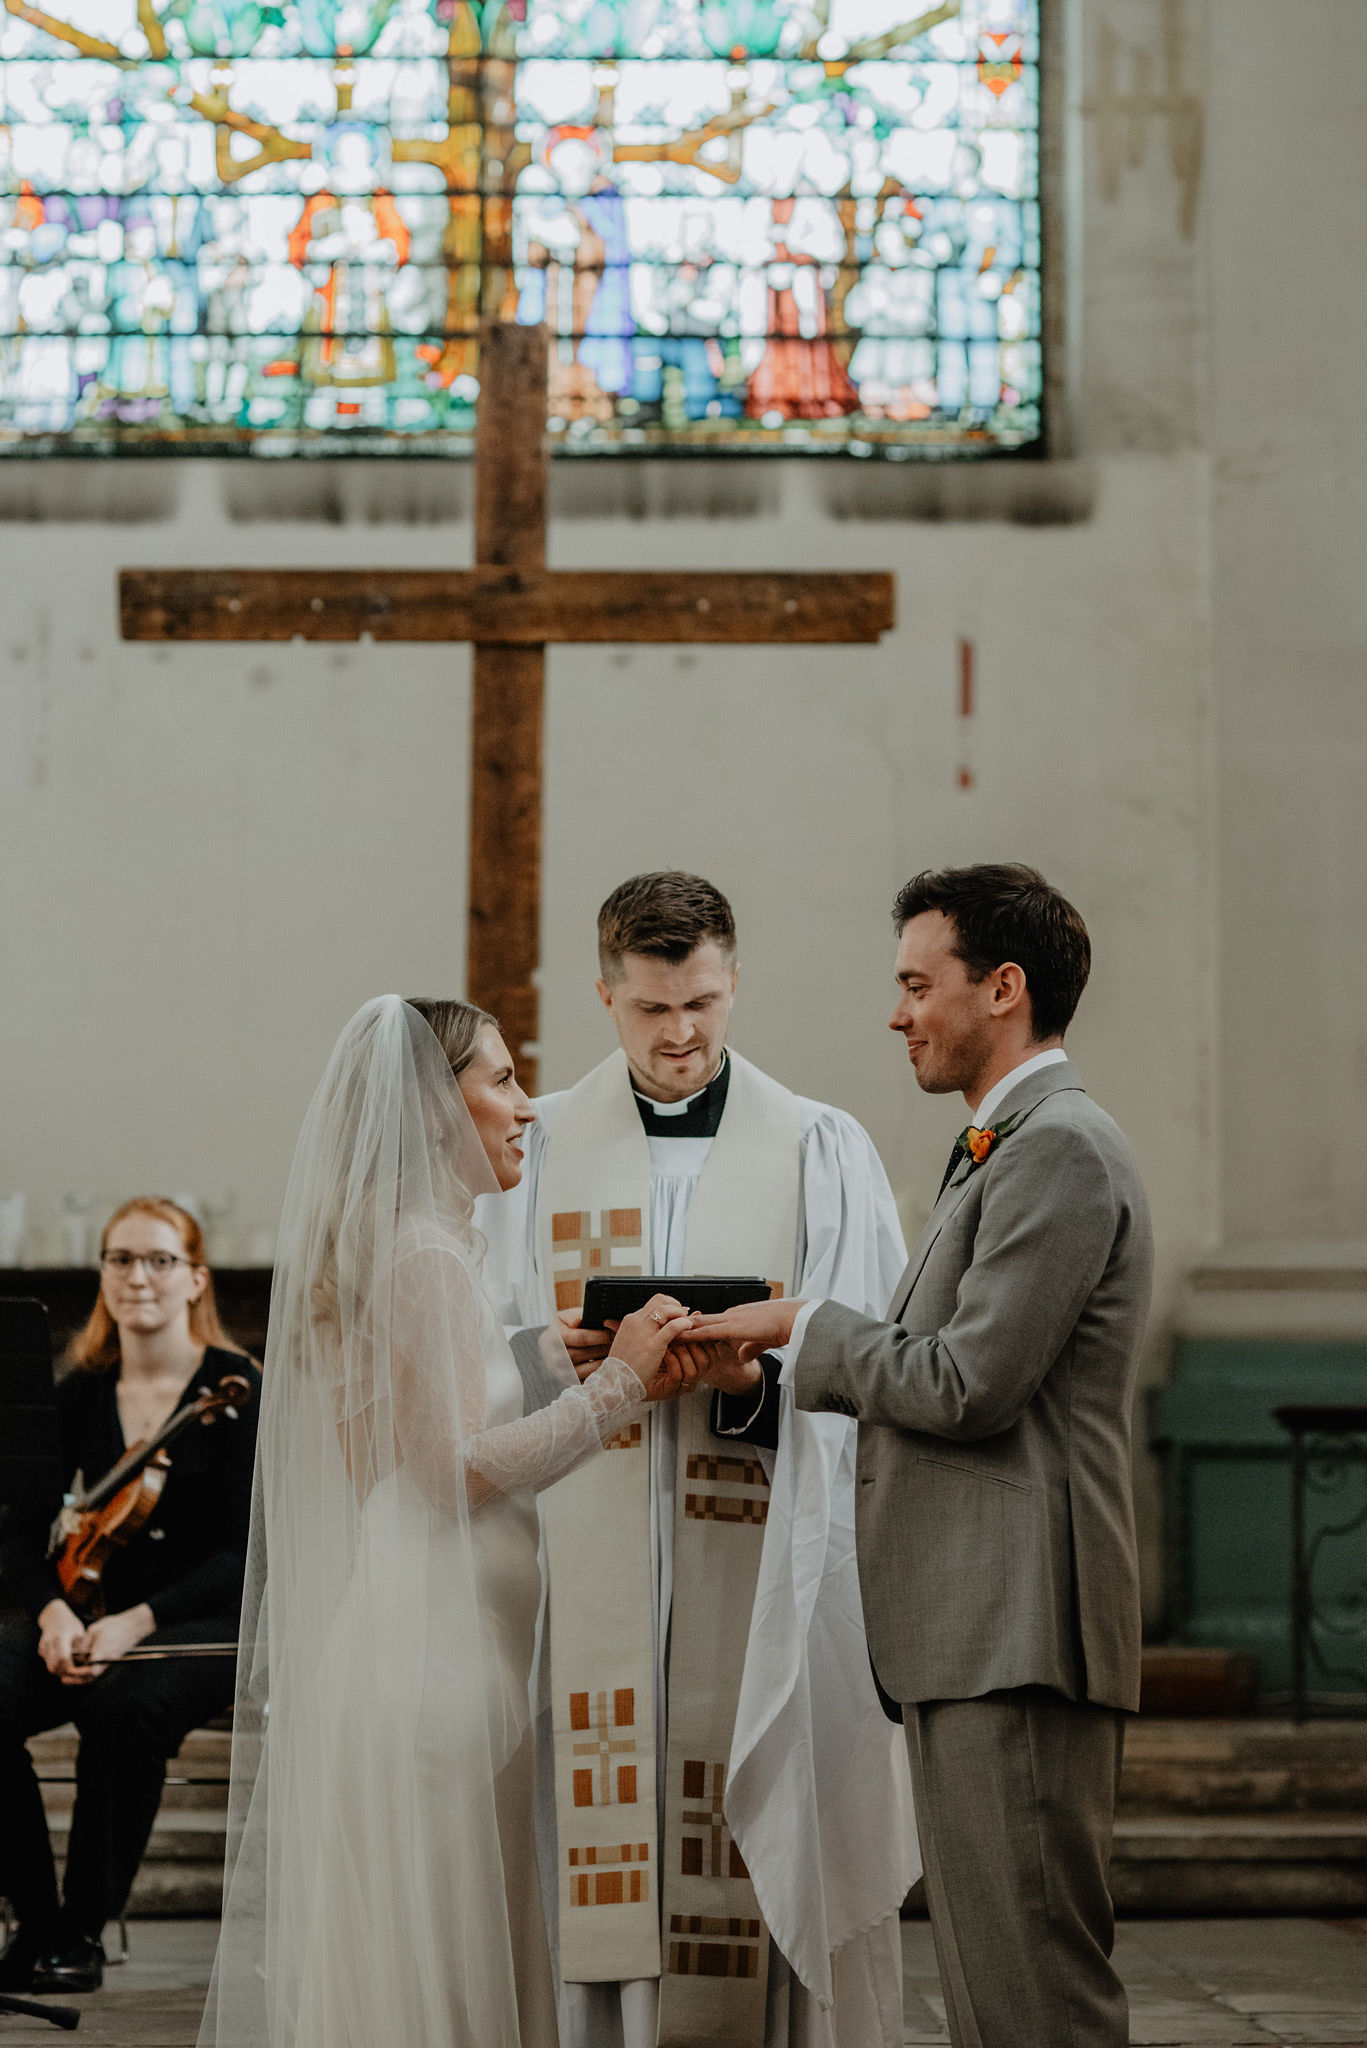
(455, 1026)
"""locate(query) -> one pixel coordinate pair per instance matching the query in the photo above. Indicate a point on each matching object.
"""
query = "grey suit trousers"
(1015, 1797)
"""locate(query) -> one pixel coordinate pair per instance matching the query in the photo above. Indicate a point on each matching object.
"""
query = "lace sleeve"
(458, 1458)
(538, 1449)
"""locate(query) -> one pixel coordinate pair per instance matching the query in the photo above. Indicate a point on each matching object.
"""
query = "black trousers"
(130, 1721)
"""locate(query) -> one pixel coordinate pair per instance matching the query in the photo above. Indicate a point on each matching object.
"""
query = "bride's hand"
(642, 1341)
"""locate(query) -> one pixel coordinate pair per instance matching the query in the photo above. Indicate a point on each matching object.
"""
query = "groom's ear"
(604, 992)
(1010, 989)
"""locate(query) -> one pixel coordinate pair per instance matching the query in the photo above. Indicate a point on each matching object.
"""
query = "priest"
(726, 1811)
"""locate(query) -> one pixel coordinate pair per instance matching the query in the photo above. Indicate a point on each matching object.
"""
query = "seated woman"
(154, 1338)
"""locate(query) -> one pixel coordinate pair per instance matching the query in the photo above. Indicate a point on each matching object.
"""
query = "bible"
(612, 1296)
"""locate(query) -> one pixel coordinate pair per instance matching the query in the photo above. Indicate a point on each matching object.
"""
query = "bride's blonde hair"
(455, 1026)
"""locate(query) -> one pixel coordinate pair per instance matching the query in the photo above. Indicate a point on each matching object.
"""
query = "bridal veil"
(374, 1710)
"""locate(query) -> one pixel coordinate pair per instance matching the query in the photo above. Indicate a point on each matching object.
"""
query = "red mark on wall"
(968, 692)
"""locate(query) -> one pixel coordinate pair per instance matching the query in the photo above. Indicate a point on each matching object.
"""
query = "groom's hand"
(754, 1327)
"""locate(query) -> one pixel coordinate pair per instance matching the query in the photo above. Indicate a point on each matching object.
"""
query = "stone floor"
(153, 2001)
(1191, 1982)
(1197, 1981)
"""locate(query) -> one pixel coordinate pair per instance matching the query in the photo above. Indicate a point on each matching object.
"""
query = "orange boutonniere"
(977, 1143)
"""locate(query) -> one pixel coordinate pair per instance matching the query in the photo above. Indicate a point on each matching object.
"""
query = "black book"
(612, 1296)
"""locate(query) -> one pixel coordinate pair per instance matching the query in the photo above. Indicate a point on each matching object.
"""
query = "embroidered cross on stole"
(631, 1905)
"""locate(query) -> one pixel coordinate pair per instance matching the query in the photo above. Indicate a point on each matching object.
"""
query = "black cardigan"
(188, 1563)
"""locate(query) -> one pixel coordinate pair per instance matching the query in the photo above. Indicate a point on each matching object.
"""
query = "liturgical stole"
(684, 1909)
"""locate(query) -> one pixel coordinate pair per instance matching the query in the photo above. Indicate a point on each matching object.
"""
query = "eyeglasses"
(155, 1264)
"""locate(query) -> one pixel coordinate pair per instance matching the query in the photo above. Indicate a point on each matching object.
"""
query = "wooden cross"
(510, 606)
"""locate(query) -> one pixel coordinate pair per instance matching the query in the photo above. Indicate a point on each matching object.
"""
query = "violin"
(109, 1514)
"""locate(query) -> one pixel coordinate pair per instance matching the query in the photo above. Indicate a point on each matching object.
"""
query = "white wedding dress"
(404, 1735)
(382, 1886)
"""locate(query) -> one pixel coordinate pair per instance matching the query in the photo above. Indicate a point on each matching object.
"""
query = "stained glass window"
(270, 226)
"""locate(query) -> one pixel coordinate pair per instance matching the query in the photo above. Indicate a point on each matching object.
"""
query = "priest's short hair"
(665, 916)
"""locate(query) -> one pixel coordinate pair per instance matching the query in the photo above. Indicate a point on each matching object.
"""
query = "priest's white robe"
(817, 1794)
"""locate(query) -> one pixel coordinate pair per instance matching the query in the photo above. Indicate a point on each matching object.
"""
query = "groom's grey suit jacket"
(994, 1510)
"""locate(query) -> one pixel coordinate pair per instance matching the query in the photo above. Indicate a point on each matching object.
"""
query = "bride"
(382, 1885)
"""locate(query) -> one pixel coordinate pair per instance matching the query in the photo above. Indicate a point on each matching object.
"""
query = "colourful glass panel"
(810, 225)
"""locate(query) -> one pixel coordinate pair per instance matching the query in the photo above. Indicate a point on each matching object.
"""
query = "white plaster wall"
(810, 783)
(209, 853)
(208, 858)
(1288, 199)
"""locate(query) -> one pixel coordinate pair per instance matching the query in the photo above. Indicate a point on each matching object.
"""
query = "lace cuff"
(536, 1450)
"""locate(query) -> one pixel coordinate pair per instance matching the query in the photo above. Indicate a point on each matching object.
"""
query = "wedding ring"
(656, 1317)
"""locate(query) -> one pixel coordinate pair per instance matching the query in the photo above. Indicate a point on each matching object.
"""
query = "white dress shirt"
(998, 1092)
(981, 1118)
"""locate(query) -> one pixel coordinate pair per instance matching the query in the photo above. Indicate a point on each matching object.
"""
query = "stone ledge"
(177, 1838)
(177, 1891)
(1216, 1890)
(1230, 1838)
(205, 1753)
(1217, 1817)
(432, 490)
(1244, 1767)
(1272, 1291)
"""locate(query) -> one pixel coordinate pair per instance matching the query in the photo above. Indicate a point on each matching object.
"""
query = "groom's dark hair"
(1009, 912)
(664, 916)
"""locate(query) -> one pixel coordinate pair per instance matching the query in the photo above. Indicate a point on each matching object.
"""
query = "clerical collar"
(697, 1117)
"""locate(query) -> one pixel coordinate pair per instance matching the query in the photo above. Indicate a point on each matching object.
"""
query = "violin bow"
(152, 1655)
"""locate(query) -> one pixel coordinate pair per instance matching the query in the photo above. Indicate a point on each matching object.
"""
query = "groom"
(995, 1522)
